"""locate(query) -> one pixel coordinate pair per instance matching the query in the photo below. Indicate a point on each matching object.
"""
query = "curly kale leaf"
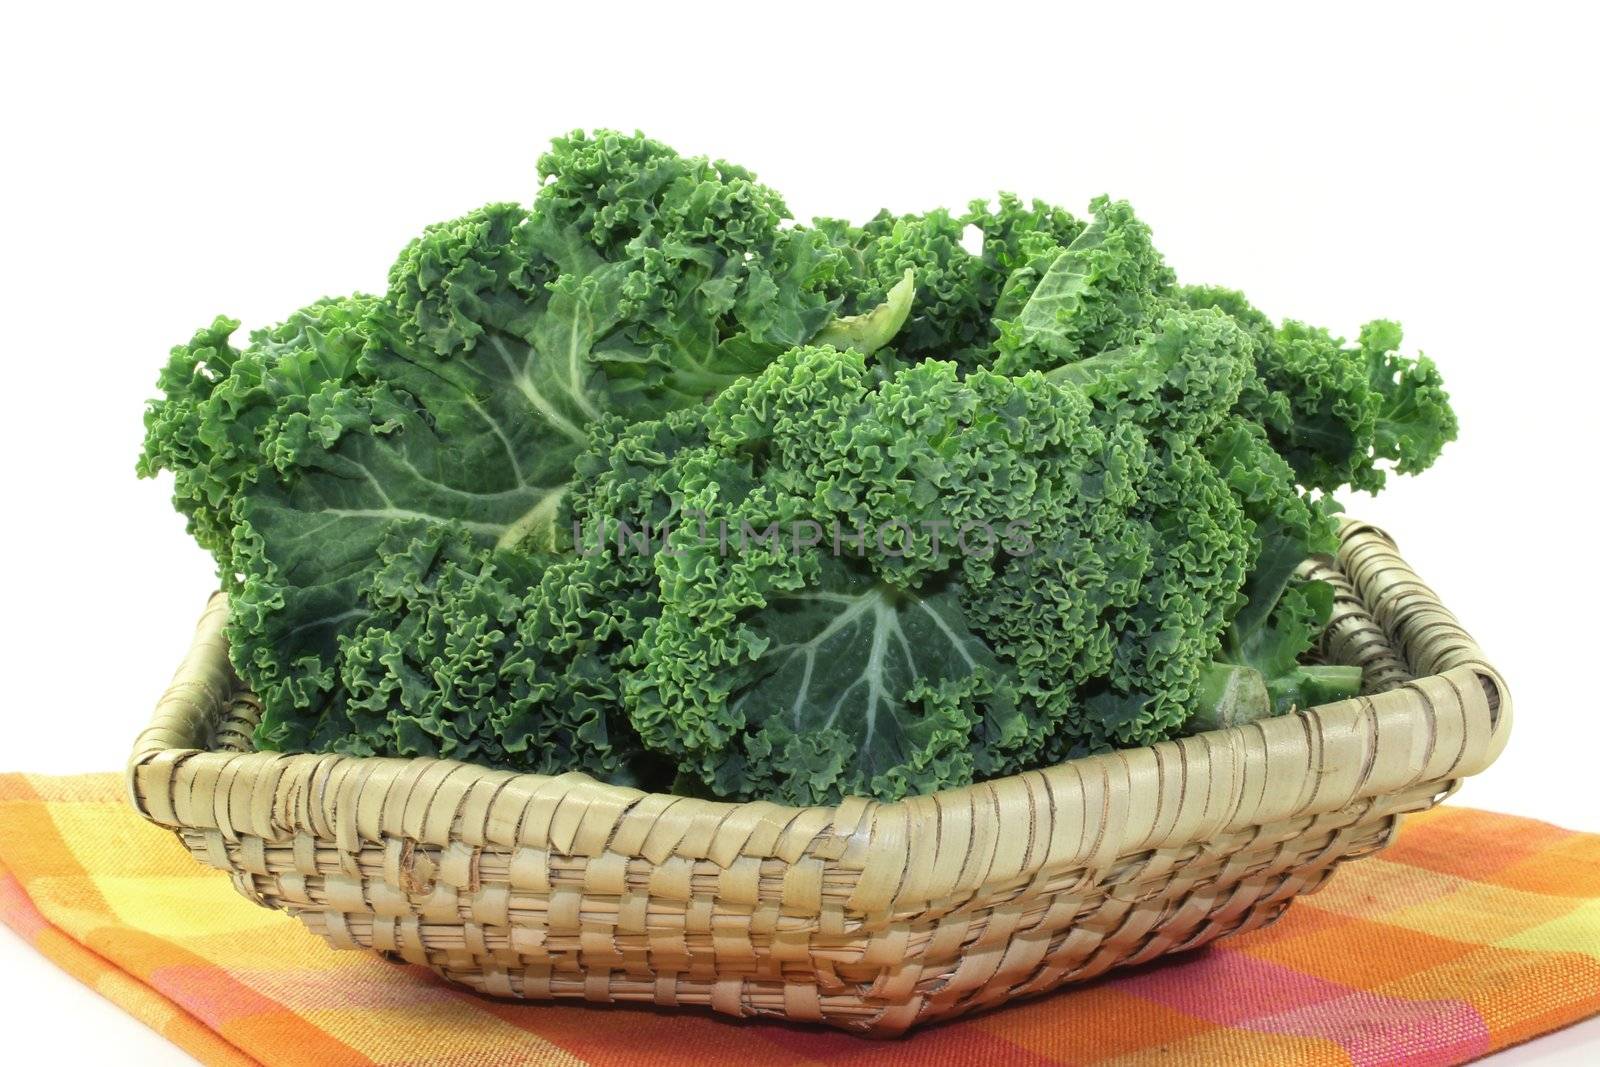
(492, 655)
(1336, 411)
(349, 471)
(1280, 617)
(650, 573)
(1179, 572)
(451, 658)
(1097, 293)
(956, 290)
(1288, 526)
(1178, 380)
(879, 656)
(1275, 648)
(639, 282)
(1414, 418)
(221, 405)
(809, 674)
(717, 284)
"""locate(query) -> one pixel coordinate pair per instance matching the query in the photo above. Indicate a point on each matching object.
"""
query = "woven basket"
(868, 916)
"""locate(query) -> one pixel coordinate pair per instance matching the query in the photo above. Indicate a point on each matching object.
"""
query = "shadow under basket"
(868, 916)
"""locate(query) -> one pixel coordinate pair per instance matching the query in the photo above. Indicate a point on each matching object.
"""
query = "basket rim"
(1347, 750)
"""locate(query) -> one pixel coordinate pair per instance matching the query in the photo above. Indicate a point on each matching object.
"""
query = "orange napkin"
(1472, 932)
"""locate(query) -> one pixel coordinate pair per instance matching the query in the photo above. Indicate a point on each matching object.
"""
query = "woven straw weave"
(868, 916)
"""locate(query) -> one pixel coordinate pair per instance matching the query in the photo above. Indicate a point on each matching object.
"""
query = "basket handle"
(188, 711)
(1421, 629)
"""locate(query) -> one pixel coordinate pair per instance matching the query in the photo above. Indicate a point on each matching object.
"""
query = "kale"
(646, 480)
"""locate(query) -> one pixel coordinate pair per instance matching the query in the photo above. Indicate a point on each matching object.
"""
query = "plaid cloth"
(1472, 932)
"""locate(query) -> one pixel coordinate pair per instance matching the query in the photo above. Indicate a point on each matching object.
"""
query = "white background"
(160, 167)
